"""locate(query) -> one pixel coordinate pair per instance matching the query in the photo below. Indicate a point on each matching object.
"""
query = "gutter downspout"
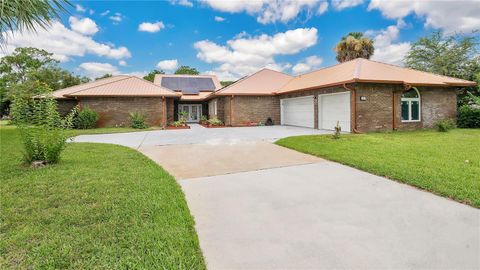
(231, 111)
(353, 105)
(394, 111)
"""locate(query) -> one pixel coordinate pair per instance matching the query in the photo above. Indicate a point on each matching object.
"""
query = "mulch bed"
(210, 126)
(174, 127)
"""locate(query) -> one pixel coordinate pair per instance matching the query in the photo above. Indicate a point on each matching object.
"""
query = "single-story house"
(361, 95)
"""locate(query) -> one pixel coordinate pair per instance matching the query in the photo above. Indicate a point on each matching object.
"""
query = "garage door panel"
(298, 112)
(333, 108)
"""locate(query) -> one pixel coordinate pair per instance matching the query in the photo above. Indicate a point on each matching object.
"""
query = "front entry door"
(193, 112)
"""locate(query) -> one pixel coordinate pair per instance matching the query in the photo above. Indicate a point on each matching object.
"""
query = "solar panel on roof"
(188, 85)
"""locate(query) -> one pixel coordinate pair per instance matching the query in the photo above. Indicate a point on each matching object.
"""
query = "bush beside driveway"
(102, 206)
(446, 164)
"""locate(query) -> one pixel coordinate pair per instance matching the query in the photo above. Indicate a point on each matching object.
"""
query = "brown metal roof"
(59, 94)
(263, 82)
(116, 86)
(363, 70)
(198, 97)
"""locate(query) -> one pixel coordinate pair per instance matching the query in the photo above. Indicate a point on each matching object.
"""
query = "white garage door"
(333, 108)
(298, 111)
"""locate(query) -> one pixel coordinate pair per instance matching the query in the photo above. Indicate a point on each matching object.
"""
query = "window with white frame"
(411, 105)
(213, 108)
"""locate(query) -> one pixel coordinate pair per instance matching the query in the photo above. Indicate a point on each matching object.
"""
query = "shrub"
(469, 117)
(21, 110)
(337, 131)
(86, 118)
(41, 128)
(203, 119)
(138, 120)
(215, 122)
(445, 125)
(183, 117)
(178, 123)
(42, 144)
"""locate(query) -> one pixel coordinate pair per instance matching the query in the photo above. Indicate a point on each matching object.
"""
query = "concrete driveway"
(199, 135)
(328, 216)
(261, 206)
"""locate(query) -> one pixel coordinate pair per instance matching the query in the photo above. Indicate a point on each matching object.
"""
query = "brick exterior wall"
(248, 109)
(376, 112)
(65, 106)
(220, 108)
(115, 110)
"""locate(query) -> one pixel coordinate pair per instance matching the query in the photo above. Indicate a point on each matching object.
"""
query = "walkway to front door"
(194, 111)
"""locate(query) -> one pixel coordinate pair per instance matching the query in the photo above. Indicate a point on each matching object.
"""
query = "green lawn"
(429, 160)
(102, 207)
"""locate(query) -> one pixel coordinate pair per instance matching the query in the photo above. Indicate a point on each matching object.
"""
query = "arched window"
(411, 106)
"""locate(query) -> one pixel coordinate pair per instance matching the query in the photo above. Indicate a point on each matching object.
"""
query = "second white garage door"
(333, 108)
(298, 111)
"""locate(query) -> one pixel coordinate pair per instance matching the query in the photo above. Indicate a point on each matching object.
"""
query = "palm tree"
(28, 15)
(354, 45)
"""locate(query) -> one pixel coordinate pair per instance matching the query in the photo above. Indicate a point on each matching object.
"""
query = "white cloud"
(95, 69)
(244, 54)
(168, 65)
(117, 18)
(451, 16)
(385, 49)
(310, 63)
(84, 26)
(151, 27)
(343, 4)
(267, 11)
(63, 43)
(80, 8)
(105, 13)
(139, 74)
(122, 63)
(185, 3)
(91, 11)
(322, 8)
(219, 19)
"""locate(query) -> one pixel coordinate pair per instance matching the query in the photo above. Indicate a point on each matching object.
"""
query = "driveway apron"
(261, 206)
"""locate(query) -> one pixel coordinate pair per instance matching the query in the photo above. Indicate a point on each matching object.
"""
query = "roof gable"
(116, 86)
(263, 82)
(363, 70)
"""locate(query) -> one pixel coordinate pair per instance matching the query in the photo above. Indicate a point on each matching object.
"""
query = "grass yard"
(102, 207)
(429, 160)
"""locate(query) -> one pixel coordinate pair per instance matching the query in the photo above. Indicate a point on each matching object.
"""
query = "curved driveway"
(260, 206)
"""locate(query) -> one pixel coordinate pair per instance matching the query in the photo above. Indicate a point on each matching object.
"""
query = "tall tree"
(454, 55)
(28, 15)
(151, 75)
(57, 78)
(19, 71)
(354, 45)
(16, 68)
(187, 70)
(226, 83)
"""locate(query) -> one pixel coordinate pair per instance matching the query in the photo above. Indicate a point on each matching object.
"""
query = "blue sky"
(235, 38)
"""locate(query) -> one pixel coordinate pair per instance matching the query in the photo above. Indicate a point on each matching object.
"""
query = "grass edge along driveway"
(103, 206)
(447, 164)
